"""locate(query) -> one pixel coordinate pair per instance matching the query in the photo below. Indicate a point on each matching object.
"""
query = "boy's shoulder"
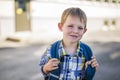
(57, 44)
(84, 45)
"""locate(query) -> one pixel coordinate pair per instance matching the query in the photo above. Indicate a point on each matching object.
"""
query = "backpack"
(54, 75)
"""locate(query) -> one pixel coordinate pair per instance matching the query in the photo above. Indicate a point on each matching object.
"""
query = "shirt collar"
(77, 51)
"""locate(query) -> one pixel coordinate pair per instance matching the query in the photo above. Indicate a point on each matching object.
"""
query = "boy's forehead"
(74, 19)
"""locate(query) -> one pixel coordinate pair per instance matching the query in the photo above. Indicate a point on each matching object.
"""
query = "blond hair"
(74, 12)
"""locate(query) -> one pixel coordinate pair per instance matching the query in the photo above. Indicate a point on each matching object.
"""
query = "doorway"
(22, 15)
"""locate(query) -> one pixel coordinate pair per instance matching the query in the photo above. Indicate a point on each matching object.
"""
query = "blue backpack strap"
(86, 51)
(54, 75)
(54, 49)
(88, 54)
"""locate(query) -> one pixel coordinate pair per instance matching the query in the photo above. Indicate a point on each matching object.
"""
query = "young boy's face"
(73, 29)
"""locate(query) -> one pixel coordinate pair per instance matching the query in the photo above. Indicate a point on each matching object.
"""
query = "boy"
(75, 61)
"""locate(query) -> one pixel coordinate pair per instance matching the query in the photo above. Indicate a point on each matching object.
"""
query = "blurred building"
(39, 18)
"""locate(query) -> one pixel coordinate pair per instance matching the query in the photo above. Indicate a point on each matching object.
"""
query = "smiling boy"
(75, 61)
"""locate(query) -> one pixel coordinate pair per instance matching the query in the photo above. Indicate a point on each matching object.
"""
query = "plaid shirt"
(72, 66)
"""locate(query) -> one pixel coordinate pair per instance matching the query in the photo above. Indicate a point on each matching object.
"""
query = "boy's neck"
(69, 47)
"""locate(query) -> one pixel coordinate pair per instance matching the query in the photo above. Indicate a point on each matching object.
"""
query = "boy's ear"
(85, 30)
(60, 26)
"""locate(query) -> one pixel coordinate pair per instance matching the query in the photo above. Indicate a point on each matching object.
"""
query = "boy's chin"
(74, 41)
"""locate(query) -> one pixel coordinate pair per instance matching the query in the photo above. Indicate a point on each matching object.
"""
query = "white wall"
(93, 10)
(45, 16)
(118, 22)
(95, 24)
(7, 17)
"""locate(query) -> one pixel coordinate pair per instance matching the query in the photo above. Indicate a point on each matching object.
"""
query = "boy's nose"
(75, 30)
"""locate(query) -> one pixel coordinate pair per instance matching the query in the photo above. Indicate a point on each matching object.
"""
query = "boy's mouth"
(73, 36)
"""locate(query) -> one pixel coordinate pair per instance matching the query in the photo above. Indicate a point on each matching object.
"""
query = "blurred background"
(27, 27)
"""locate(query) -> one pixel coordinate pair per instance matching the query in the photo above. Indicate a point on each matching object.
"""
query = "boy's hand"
(93, 62)
(51, 65)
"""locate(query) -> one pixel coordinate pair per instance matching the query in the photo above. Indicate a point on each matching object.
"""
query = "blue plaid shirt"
(72, 66)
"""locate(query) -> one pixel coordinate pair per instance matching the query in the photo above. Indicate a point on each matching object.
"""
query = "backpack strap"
(54, 75)
(54, 49)
(87, 52)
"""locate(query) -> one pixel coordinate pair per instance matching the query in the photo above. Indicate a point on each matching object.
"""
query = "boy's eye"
(70, 26)
(80, 28)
